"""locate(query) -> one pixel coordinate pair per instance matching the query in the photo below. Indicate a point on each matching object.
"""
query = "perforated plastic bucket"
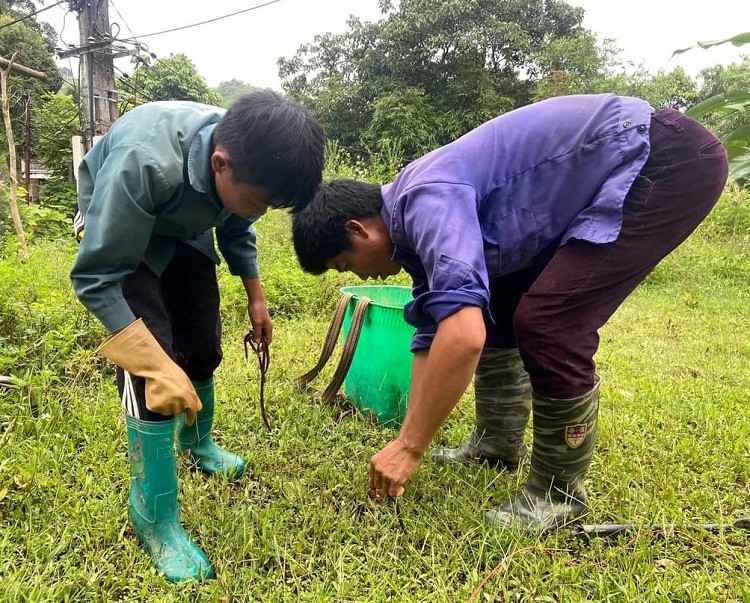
(379, 378)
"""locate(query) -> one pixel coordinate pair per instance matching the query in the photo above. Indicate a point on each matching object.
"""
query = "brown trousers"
(553, 312)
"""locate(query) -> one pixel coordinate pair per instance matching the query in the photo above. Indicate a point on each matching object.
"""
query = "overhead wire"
(32, 14)
(125, 23)
(138, 44)
(125, 81)
(239, 12)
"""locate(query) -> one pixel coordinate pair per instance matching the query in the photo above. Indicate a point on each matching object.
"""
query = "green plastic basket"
(379, 378)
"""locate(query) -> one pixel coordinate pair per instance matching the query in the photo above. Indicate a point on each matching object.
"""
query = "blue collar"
(199, 169)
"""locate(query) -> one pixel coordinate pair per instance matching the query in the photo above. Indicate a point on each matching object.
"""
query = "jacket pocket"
(510, 240)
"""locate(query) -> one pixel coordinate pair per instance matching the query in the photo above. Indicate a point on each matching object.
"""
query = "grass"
(673, 446)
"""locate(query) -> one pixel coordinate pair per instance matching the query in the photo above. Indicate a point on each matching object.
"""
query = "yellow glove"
(168, 389)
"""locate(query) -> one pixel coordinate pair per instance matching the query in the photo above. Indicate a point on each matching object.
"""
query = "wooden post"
(5, 68)
(12, 150)
(21, 69)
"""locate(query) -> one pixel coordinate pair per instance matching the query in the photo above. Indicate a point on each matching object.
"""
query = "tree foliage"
(460, 62)
(665, 89)
(729, 106)
(55, 123)
(576, 64)
(173, 78)
(31, 50)
(721, 80)
(231, 90)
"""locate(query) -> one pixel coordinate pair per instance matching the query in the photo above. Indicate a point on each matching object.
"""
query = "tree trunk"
(12, 151)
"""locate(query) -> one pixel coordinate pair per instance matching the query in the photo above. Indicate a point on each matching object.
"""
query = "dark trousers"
(553, 312)
(181, 309)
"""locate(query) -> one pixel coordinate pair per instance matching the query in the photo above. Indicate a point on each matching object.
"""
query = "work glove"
(168, 389)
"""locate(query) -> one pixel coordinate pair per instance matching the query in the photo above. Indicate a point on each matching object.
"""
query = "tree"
(230, 91)
(409, 120)
(674, 89)
(16, 9)
(173, 78)
(34, 51)
(55, 123)
(721, 80)
(461, 61)
(730, 106)
(577, 64)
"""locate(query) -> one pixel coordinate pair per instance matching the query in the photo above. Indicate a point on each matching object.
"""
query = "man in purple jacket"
(522, 238)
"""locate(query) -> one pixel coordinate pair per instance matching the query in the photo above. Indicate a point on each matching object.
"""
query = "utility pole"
(96, 52)
(97, 87)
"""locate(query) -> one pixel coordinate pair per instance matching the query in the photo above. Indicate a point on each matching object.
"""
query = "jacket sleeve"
(441, 225)
(236, 238)
(119, 221)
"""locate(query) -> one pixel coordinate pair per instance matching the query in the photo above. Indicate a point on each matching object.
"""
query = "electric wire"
(245, 10)
(125, 80)
(32, 14)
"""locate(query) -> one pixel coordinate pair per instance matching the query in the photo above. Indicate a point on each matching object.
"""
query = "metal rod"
(615, 529)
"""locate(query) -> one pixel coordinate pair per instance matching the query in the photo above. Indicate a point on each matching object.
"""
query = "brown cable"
(328, 345)
(263, 353)
(350, 346)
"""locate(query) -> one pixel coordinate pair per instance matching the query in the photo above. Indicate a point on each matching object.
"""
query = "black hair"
(274, 143)
(319, 230)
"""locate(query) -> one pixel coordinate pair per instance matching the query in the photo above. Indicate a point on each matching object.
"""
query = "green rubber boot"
(564, 435)
(154, 511)
(502, 397)
(196, 440)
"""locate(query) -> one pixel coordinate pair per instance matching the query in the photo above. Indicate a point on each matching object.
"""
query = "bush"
(59, 192)
(45, 222)
(51, 219)
(44, 330)
(731, 216)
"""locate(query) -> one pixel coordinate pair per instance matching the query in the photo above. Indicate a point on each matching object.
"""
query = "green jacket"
(145, 186)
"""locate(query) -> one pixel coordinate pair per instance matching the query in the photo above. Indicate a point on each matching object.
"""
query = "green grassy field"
(674, 445)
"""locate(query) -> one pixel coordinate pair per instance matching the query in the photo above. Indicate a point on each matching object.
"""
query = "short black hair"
(319, 230)
(274, 143)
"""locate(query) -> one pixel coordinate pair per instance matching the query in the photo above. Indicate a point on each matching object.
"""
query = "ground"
(673, 447)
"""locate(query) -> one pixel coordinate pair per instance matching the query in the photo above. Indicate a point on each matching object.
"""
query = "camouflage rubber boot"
(564, 435)
(502, 397)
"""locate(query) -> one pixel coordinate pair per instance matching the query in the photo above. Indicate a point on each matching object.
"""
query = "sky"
(247, 46)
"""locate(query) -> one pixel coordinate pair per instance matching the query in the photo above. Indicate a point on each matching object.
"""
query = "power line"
(138, 46)
(246, 10)
(125, 81)
(33, 14)
(119, 14)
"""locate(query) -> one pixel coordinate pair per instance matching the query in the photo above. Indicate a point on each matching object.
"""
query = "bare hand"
(260, 320)
(391, 468)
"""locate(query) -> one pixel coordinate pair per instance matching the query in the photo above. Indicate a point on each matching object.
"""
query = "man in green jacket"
(151, 192)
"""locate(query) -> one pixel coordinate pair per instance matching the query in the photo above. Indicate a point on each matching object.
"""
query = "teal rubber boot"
(195, 440)
(554, 494)
(502, 398)
(154, 511)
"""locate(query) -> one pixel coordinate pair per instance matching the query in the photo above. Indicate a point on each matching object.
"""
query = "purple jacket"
(502, 196)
